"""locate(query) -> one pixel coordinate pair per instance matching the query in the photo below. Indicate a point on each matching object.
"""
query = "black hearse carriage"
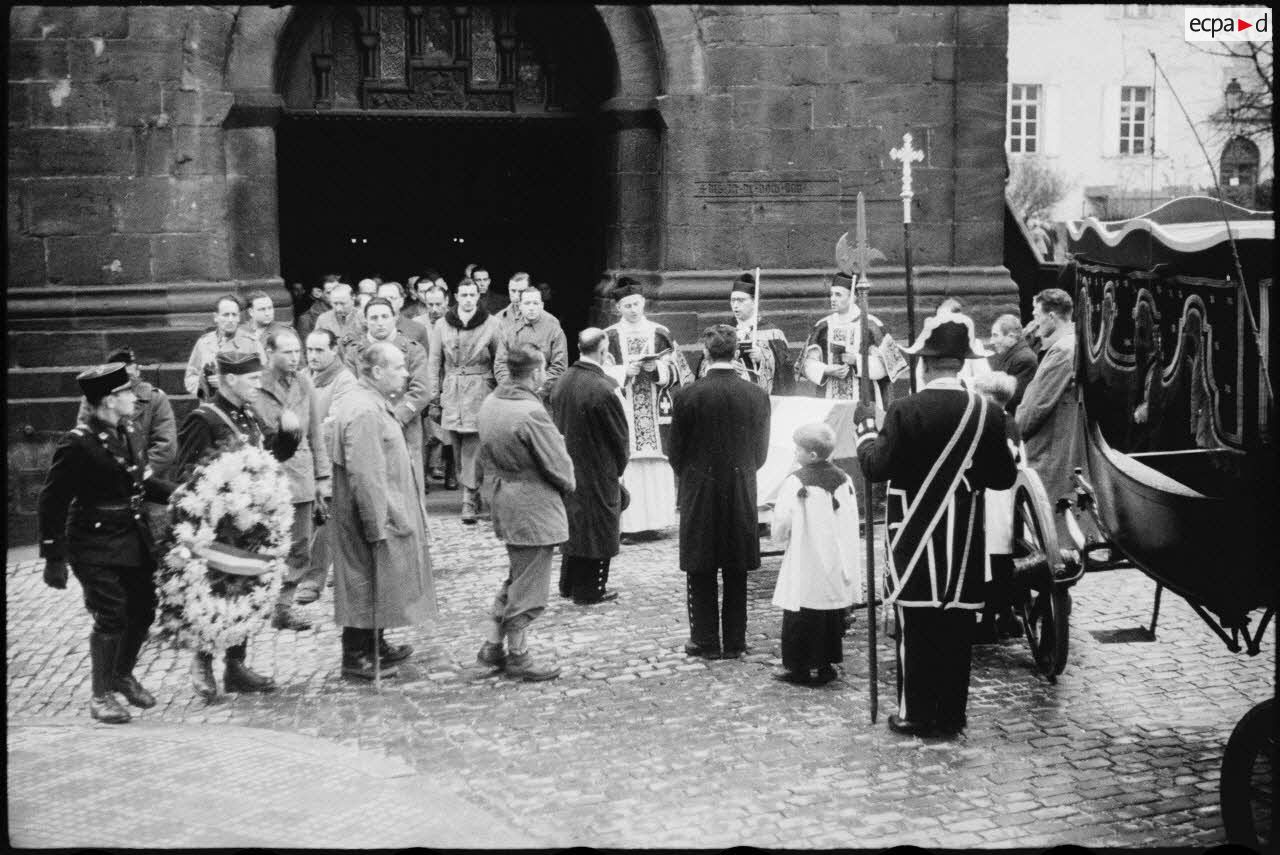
(1175, 361)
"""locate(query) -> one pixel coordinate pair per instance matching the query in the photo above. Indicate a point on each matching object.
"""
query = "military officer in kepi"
(222, 424)
(938, 450)
(91, 514)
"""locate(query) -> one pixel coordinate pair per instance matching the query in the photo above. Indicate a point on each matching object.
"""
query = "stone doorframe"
(657, 55)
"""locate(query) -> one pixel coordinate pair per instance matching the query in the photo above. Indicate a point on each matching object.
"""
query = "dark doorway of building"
(393, 197)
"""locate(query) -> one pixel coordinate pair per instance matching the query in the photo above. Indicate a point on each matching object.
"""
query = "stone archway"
(632, 119)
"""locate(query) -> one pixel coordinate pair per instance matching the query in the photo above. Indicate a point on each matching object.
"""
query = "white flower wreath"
(241, 500)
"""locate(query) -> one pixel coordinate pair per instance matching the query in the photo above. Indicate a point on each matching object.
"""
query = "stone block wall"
(120, 170)
(798, 111)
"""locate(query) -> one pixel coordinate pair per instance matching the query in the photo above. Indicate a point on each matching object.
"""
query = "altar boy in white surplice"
(648, 365)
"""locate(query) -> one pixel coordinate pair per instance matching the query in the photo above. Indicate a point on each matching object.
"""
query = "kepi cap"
(236, 362)
(102, 380)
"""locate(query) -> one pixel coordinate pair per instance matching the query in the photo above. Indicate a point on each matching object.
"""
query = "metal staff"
(867, 392)
(908, 155)
(377, 647)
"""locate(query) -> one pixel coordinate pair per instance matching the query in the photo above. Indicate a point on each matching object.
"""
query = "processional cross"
(908, 155)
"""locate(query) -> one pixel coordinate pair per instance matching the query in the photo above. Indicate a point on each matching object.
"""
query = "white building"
(1086, 98)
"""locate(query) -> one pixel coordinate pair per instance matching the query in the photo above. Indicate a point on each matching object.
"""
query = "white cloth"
(821, 568)
(652, 485)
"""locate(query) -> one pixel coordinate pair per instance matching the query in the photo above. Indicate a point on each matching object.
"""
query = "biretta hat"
(949, 335)
(626, 287)
(122, 354)
(843, 280)
(102, 380)
(236, 362)
(746, 283)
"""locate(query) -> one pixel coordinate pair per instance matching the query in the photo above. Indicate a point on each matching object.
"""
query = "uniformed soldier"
(226, 423)
(91, 514)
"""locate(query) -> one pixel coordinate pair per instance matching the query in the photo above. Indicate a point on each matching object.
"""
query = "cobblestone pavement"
(637, 745)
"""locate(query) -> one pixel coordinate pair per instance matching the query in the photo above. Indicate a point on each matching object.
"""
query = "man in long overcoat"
(459, 377)
(529, 471)
(381, 558)
(1048, 415)
(587, 409)
(719, 438)
(939, 449)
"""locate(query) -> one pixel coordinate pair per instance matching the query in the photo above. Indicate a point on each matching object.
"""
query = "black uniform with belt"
(91, 516)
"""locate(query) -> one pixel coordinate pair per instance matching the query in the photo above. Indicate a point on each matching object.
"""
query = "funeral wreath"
(222, 572)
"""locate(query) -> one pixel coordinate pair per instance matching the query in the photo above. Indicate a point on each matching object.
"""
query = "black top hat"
(235, 362)
(626, 287)
(949, 335)
(102, 380)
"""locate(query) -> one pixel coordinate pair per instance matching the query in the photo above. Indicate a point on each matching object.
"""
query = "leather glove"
(55, 573)
(864, 415)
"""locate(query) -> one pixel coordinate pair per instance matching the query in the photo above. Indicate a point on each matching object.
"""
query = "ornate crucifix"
(908, 155)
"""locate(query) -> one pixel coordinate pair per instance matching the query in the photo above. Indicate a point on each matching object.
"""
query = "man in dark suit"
(91, 514)
(938, 450)
(719, 438)
(587, 410)
(1012, 355)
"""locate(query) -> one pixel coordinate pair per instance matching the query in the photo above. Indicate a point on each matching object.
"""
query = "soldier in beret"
(225, 423)
(91, 514)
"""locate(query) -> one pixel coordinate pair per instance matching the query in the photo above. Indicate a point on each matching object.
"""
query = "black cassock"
(939, 449)
(587, 410)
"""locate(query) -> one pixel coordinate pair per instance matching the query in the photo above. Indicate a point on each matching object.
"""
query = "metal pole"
(911, 294)
(377, 646)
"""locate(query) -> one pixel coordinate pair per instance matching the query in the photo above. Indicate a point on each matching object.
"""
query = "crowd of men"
(375, 392)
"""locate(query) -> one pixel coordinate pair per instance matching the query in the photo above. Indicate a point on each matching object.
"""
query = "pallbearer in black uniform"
(225, 423)
(939, 449)
(91, 514)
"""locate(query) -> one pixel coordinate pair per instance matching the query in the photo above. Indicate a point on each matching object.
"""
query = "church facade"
(161, 156)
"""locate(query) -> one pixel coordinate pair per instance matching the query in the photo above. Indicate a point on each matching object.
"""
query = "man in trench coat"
(380, 542)
(719, 438)
(528, 470)
(588, 411)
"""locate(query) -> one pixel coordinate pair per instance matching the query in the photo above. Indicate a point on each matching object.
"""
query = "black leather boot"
(284, 618)
(450, 471)
(123, 680)
(389, 653)
(239, 678)
(103, 706)
(202, 679)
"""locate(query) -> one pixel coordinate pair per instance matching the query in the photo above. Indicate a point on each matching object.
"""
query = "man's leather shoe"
(798, 678)
(691, 649)
(238, 678)
(950, 728)
(284, 618)
(605, 598)
(910, 728)
(389, 653)
(306, 595)
(734, 652)
(362, 666)
(522, 667)
(133, 691)
(826, 673)
(106, 709)
(202, 679)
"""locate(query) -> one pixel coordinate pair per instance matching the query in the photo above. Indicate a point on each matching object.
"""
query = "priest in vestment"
(832, 356)
(763, 352)
(647, 364)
